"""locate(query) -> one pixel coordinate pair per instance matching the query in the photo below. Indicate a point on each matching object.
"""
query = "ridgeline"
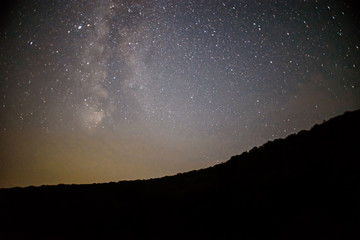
(306, 186)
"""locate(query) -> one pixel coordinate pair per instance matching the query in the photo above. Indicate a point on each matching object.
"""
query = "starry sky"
(98, 91)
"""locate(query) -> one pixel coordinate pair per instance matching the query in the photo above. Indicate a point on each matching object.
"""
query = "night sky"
(98, 91)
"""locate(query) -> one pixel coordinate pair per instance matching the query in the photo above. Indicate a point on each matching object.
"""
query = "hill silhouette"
(306, 186)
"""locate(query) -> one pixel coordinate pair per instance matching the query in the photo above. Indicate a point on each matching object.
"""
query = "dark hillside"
(306, 186)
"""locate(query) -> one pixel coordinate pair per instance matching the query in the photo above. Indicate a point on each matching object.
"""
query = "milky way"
(96, 91)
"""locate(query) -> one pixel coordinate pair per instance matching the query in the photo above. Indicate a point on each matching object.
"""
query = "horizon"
(186, 171)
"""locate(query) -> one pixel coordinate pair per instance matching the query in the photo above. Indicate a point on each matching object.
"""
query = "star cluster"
(111, 90)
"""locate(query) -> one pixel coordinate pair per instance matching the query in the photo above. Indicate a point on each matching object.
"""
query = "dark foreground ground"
(306, 186)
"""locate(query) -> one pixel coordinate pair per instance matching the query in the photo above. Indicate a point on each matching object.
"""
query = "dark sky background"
(96, 91)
